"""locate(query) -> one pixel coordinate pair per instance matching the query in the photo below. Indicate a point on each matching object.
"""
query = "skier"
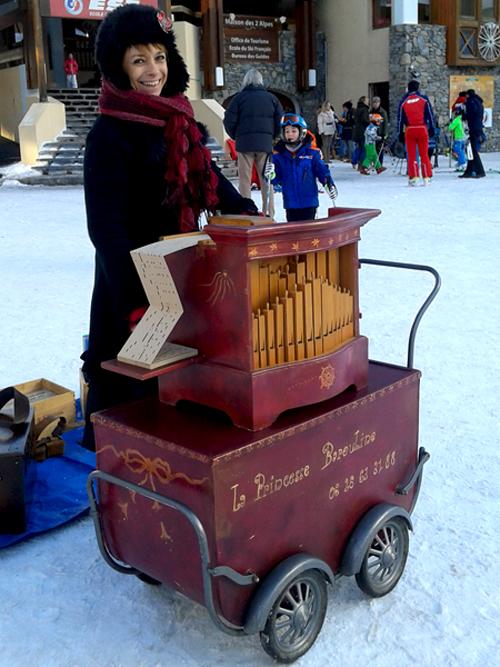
(456, 127)
(296, 165)
(371, 138)
(415, 126)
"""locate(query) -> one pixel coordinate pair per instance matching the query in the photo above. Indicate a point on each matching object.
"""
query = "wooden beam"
(41, 72)
(305, 49)
(213, 40)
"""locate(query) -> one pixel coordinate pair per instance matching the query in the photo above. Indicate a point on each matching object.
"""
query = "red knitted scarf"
(191, 182)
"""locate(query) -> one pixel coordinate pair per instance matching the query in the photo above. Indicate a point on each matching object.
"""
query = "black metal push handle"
(425, 305)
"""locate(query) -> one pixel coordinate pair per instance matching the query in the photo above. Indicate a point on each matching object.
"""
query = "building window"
(381, 17)
(381, 12)
(424, 12)
(488, 10)
(478, 36)
(467, 43)
(468, 9)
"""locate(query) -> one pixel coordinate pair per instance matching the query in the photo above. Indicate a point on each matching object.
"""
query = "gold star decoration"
(273, 247)
(315, 243)
(252, 252)
(124, 509)
(163, 533)
(327, 377)
(295, 246)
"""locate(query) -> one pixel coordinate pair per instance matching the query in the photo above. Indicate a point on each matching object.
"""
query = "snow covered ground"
(62, 606)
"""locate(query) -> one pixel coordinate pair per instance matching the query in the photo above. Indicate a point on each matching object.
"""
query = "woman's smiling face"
(146, 67)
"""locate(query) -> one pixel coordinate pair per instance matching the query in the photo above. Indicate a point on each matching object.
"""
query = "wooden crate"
(49, 399)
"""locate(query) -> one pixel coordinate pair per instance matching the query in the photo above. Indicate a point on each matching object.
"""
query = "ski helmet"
(294, 120)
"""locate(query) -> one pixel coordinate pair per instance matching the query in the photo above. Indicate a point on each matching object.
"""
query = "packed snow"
(62, 606)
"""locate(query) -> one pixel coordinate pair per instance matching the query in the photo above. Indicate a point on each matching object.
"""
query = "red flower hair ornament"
(164, 21)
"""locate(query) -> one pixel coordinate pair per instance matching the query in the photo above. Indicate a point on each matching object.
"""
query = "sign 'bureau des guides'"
(251, 39)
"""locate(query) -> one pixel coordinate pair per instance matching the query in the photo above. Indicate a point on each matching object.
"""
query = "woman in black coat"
(361, 122)
(147, 174)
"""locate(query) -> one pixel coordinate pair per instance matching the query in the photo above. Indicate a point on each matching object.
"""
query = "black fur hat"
(130, 25)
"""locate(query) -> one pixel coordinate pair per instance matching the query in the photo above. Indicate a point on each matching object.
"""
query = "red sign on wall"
(90, 9)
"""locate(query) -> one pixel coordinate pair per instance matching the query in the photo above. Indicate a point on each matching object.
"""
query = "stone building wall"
(423, 49)
(280, 77)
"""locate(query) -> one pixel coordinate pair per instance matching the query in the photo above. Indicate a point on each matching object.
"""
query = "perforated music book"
(148, 346)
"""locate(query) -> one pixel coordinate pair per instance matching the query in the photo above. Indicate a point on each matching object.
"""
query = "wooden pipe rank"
(299, 308)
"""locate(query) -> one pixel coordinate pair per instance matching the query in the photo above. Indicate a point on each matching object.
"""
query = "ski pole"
(268, 174)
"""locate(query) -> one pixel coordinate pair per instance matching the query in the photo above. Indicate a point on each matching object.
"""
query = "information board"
(251, 39)
(484, 86)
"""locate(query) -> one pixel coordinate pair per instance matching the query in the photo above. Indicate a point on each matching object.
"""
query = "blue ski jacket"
(297, 172)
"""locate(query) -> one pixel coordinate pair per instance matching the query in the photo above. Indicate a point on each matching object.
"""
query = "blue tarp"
(59, 494)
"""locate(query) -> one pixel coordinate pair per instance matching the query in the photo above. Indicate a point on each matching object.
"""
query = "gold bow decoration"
(152, 469)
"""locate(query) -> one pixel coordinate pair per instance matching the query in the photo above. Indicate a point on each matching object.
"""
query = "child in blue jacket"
(296, 165)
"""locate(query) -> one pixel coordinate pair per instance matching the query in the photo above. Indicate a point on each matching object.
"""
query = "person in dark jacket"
(253, 119)
(146, 174)
(361, 122)
(296, 166)
(383, 129)
(346, 121)
(474, 113)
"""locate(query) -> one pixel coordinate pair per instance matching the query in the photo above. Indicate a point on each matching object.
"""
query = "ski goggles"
(292, 119)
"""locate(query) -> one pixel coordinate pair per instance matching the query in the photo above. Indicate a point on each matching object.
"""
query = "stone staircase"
(60, 162)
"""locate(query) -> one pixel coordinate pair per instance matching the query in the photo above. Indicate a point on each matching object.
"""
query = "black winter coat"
(361, 122)
(253, 120)
(124, 190)
(474, 111)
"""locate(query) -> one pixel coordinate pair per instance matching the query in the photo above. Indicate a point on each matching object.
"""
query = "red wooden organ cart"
(320, 474)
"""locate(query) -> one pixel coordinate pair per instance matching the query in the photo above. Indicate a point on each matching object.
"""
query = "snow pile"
(11, 173)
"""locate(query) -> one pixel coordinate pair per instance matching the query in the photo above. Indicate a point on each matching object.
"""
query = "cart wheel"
(147, 579)
(385, 559)
(296, 617)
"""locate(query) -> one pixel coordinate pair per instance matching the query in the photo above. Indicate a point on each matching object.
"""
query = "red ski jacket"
(415, 109)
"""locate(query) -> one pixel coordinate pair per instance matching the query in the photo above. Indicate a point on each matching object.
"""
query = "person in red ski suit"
(415, 126)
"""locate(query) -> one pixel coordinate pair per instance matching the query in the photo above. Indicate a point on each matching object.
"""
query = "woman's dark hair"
(348, 104)
(131, 25)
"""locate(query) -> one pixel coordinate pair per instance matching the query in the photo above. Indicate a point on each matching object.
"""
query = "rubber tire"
(398, 537)
(147, 579)
(310, 580)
